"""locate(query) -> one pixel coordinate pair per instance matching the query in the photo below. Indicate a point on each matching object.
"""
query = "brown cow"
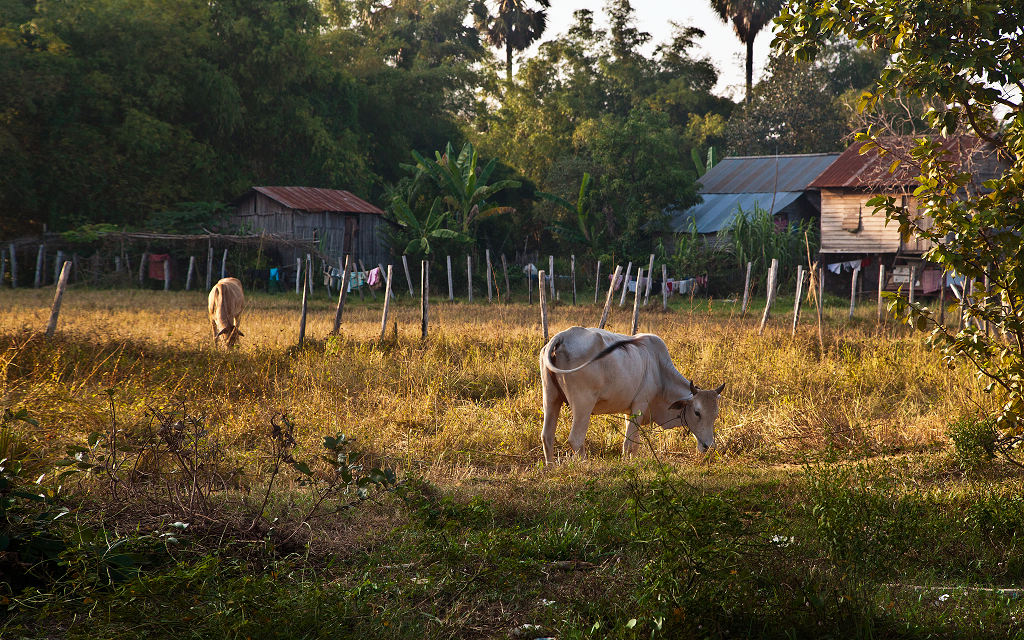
(226, 303)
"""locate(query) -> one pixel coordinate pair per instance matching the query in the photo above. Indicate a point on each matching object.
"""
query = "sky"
(654, 16)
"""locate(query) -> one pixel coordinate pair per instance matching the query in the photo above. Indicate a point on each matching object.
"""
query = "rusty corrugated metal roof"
(869, 170)
(315, 200)
(765, 174)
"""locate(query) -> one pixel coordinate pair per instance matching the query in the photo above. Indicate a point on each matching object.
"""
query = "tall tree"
(514, 26)
(748, 17)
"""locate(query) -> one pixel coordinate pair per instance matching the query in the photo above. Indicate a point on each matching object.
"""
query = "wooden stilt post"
(881, 288)
(625, 284)
(342, 294)
(167, 273)
(799, 297)
(636, 303)
(572, 270)
(608, 299)
(551, 277)
(62, 283)
(487, 254)
(597, 280)
(541, 290)
(508, 286)
(650, 271)
(191, 271)
(39, 266)
(451, 283)
(853, 291)
(424, 298)
(408, 277)
(387, 303)
(664, 287)
(772, 275)
(746, 290)
(469, 276)
(305, 292)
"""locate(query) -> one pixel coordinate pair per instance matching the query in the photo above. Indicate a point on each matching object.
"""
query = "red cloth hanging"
(156, 265)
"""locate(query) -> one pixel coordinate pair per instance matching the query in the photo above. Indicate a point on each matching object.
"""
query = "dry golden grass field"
(470, 394)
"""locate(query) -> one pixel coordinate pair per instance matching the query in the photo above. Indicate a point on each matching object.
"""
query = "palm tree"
(748, 17)
(513, 26)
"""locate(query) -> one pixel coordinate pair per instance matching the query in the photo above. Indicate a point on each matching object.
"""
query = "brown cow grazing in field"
(226, 303)
(597, 372)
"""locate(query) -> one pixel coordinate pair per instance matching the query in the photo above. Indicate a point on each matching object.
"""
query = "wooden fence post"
(305, 308)
(387, 303)
(191, 270)
(3, 265)
(572, 270)
(910, 289)
(167, 273)
(469, 276)
(772, 275)
(529, 287)
(853, 291)
(62, 283)
(799, 297)
(551, 275)
(309, 269)
(298, 276)
(58, 264)
(451, 283)
(650, 270)
(664, 287)
(487, 254)
(390, 292)
(39, 266)
(543, 303)
(746, 290)
(209, 269)
(224, 265)
(144, 264)
(636, 303)
(508, 286)
(625, 284)
(342, 294)
(408, 277)
(14, 267)
(881, 287)
(597, 280)
(424, 298)
(611, 293)
(942, 298)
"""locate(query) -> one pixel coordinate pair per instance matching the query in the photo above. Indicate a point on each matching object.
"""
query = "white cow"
(225, 306)
(596, 372)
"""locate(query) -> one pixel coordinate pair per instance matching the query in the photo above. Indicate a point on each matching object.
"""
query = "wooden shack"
(336, 221)
(851, 230)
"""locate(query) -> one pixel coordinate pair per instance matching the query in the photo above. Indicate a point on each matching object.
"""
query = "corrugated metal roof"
(764, 174)
(316, 200)
(719, 209)
(869, 170)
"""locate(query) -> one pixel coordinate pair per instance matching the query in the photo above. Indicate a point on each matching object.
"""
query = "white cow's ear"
(679, 404)
(720, 389)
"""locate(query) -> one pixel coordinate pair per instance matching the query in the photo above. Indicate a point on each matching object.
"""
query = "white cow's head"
(698, 414)
(232, 332)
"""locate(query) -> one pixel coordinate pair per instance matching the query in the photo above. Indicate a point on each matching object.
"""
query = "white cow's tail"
(553, 347)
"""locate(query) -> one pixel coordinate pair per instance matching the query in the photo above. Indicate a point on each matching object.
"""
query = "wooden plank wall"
(873, 235)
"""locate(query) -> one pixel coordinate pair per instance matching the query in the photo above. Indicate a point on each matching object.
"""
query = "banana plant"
(423, 232)
(587, 230)
(466, 189)
(702, 166)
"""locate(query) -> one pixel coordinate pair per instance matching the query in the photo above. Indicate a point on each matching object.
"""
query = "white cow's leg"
(553, 401)
(631, 442)
(578, 433)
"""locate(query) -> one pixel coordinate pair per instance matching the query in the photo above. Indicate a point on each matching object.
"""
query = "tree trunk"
(750, 67)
